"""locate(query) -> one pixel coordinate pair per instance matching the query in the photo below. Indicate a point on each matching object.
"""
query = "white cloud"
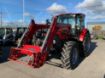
(20, 20)
(43, 22)
(27, 14)
(6, 21)
(94, 8)
(88, 4)
(95, 18)
(56, 8)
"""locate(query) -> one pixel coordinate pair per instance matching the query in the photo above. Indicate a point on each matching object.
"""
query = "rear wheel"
(70, 55)
(87, 44)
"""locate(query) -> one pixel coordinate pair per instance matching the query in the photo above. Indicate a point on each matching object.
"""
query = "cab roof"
(81, 14)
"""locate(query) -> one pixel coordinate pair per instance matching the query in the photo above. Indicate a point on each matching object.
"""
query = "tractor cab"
(75, 21)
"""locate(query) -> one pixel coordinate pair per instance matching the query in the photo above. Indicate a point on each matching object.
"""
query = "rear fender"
(83, 34)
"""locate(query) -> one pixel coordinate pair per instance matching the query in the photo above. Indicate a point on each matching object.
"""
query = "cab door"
(80, 24)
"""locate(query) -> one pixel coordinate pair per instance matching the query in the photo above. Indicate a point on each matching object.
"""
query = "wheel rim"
(74, 56)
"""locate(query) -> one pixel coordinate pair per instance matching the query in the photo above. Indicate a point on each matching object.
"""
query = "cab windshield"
(66, 19)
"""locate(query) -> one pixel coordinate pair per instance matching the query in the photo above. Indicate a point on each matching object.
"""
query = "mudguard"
(83, 34)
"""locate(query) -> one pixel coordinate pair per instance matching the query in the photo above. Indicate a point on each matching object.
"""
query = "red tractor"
(66, 35)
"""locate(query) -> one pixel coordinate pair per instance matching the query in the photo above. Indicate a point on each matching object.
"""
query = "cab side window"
(80, 22)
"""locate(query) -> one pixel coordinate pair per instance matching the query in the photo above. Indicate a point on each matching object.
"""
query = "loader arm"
(49, 36)
(28, 34)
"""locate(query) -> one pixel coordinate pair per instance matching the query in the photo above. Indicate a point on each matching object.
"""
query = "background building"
(90, 25)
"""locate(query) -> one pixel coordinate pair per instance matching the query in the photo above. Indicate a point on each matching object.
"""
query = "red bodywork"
(40, 53)
(83, 34)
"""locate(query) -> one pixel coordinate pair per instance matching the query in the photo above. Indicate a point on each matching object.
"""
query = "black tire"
(4, 53)
(87, 44)
(70, 55)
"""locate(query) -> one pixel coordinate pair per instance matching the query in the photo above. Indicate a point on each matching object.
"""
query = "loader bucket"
(28, 54)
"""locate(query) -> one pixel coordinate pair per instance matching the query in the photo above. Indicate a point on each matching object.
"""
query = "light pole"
(23, 12)
(1, 17)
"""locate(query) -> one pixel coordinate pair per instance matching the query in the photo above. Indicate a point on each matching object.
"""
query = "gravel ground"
(91, 67)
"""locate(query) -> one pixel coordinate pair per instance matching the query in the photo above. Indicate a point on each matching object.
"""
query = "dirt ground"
(91, 67)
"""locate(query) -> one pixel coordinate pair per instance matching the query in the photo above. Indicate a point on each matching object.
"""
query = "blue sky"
(40, 10)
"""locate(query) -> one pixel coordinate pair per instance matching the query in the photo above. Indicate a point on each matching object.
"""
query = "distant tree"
(97, 27)
(97, 31)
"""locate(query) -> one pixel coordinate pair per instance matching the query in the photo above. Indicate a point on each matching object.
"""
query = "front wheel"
(87, 44)
(70, 55)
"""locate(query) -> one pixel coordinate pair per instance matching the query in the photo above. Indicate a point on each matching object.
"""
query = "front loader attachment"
(31, 53)
(37, 52)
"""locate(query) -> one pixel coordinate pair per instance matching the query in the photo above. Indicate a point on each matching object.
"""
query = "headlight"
(54, 42)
